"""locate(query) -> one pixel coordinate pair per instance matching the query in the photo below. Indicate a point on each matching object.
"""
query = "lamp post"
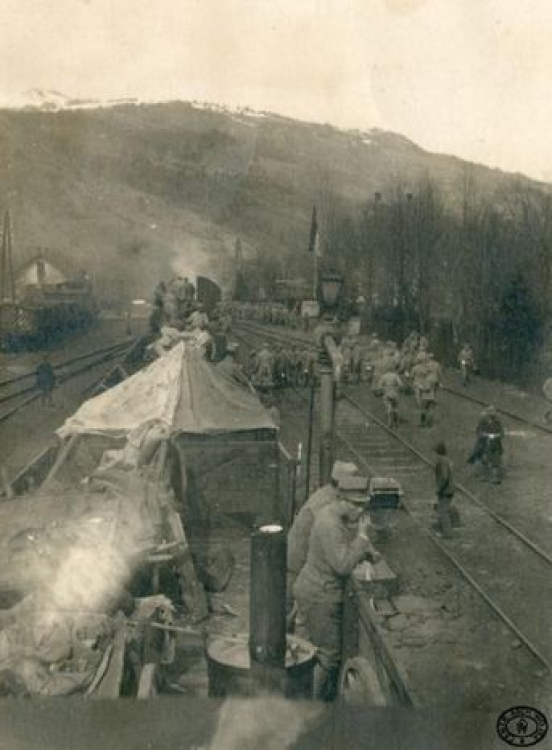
(327, 336)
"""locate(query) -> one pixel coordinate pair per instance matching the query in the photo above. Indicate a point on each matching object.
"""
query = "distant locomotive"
(45, 305)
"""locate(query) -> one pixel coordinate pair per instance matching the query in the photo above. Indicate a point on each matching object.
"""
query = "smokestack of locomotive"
(261, 662)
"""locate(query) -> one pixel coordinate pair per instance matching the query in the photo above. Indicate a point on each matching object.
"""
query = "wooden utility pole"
(7, 288)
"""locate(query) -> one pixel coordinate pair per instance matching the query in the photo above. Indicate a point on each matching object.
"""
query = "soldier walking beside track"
(488, 447)
(445, 489)
(45, 381)
(426, 378)
(390, 384)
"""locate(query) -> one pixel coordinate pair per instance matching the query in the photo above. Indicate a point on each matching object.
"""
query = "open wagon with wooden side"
(174, 441)
(77, 554)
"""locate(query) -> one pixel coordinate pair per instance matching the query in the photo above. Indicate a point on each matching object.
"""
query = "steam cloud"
(270, 723)
(195, 259)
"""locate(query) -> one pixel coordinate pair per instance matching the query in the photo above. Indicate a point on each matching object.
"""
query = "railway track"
(520, 605)
(15, 394)
(471, 397)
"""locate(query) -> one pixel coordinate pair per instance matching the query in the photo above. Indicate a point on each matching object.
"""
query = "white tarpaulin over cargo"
(180, 390)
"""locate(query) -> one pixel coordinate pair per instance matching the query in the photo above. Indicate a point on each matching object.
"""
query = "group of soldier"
(269, 313)
(281, 365)
(410, 369)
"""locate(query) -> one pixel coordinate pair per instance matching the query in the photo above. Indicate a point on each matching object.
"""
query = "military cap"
(353, 488)
(343, 468)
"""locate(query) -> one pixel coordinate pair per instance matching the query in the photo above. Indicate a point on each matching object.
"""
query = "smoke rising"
(270, 723)
(197, 258)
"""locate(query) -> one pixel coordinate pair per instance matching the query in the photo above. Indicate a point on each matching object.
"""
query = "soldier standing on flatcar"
(299, 533)
(264, 375)
(199, 318)
(334, 552)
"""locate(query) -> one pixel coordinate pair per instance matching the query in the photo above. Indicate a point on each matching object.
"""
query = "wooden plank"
(395, 671)
(377, 580)
(100, 672)
(63, 452)
(33, 472)
(193, 593)
(110, 684)
(147, 684)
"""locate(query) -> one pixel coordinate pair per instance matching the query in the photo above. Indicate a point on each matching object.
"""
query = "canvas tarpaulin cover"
(180, 390)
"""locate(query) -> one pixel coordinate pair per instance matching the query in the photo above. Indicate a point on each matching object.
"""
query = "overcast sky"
(467, 77)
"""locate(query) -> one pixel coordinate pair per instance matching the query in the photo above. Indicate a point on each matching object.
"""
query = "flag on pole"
(314, 241)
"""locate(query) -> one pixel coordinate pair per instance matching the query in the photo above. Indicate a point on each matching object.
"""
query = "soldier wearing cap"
(319, 590)
(299, 533)
(265, 367)
(488, 445)
(445, 489)
(489, 424)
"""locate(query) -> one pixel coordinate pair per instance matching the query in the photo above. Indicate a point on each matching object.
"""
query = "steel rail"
(67, 362)
(455, 562)
(506, 412)
(427, 532)
(32, 388)
(453, 391)
(106, 357)
(462, 488)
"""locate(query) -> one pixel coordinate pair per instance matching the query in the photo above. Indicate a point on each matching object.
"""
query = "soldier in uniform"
(488, 446)
(45, 381)
(334, 552)
(466, 360)
(390, 385)
(307, 367)
(445, 489)
(264, 375)
(199, 318)
(426, 378)
(299, 533)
